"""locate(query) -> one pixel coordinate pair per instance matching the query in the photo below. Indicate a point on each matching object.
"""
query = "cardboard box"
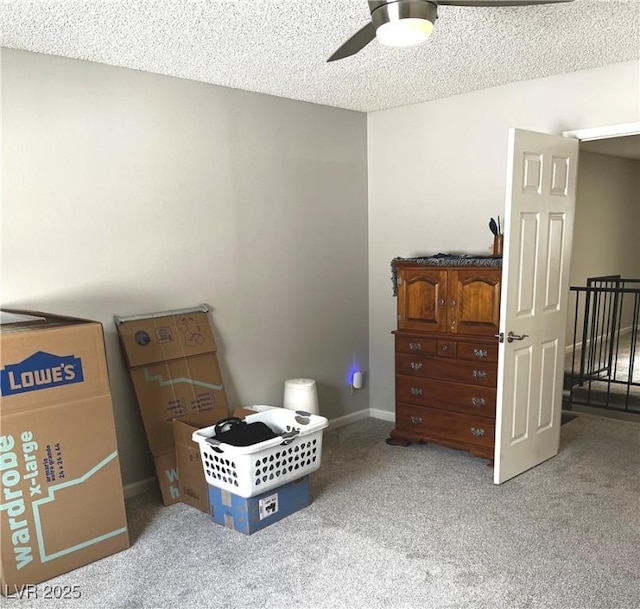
(166, 467)
(192, 485)
(256, 513)
(244, 411)
(177, 388)
(173, 364)
(61, 497)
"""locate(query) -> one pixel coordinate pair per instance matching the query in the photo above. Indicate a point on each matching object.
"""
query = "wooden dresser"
(446, 351)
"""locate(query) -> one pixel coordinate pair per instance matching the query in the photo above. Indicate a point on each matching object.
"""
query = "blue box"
(256, 513)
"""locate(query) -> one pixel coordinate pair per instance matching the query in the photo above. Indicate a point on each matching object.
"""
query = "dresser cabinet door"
(474, 301)
(461, 301)
(422, 297)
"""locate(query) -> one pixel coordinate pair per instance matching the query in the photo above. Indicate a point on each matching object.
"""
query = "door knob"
(511, 337)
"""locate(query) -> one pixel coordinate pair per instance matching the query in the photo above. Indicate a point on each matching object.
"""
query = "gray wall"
(606, 238)
(126, 192)
(437, 173)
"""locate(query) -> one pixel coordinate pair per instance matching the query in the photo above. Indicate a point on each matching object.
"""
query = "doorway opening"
(602, 359)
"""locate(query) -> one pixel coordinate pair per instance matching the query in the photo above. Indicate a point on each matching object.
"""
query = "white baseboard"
(347, 419)
(367, 413)
(383, 415)
(137, 488)
(623, 332)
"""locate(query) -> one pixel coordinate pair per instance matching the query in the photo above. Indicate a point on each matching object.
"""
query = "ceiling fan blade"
(482, 3)
(356, 43)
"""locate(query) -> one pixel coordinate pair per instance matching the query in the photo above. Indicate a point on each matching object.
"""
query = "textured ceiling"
(280, 47)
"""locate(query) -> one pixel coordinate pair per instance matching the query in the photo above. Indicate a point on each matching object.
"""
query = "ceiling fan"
(410, 22)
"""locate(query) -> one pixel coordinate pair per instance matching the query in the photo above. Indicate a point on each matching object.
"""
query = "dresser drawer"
(469, 399)
(480, 373)
(449, 427)
(416, 344)
(478, 352)
(447, 348)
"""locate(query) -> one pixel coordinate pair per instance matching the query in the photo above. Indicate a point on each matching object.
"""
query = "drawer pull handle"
(480, 353)
(478, 402)
(453, 303)
(416, 365)
(441, 301)
(416, 391)
(445, 347)
(477, 431)
(416, 420)
(479, 374)
(415, 346)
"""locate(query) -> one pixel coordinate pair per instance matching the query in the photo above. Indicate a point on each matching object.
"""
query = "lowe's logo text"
(40, 371)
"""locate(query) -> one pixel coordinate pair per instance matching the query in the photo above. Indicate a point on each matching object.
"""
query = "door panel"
(548, 384)
(539, 210)
(527, 259)
(555, 262)
(521, 396)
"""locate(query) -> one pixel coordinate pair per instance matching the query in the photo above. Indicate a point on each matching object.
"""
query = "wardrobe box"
(173, 365)
(61, 497)
(256, 513)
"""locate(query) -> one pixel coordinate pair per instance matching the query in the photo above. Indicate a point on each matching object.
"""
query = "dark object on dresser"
(446, 352)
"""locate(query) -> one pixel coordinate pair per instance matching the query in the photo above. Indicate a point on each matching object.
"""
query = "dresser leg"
(396, 439)
(397, 442)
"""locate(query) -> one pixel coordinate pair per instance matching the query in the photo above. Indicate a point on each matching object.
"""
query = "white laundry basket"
(250, 470)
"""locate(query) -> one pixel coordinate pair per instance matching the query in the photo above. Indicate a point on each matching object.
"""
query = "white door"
(540, 203)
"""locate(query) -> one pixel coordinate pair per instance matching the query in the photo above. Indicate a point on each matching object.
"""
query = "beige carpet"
(391, 527)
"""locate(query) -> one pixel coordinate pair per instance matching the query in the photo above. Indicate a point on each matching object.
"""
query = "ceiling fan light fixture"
(404, 23)
(404, 33)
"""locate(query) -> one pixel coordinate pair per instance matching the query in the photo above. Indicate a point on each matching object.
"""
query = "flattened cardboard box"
(177, 388)
(160, 337)
(61, 497)
(174, 368)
